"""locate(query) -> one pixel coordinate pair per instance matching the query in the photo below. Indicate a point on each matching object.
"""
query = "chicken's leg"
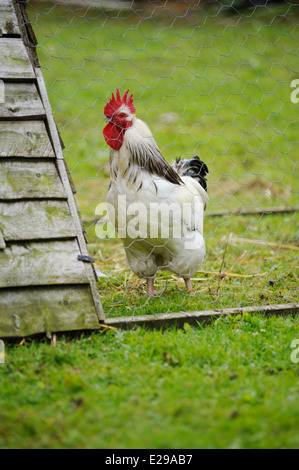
(188, 285)
(150, 286)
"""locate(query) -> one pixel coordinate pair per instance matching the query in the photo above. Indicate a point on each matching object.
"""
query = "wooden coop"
(47, 280)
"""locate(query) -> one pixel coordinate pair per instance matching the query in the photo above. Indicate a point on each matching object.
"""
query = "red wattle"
(114, 135)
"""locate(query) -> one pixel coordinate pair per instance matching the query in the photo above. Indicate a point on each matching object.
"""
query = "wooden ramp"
(47, 280)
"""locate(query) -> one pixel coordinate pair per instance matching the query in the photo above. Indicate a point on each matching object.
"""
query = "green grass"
(230, 384)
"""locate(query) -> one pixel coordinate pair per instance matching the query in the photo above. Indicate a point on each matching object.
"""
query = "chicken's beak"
(108, 119)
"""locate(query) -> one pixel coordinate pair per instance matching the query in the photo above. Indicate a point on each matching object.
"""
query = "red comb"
(117, 102)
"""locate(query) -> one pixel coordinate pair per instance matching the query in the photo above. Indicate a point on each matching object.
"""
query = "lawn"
(210, 83)
(230, 384)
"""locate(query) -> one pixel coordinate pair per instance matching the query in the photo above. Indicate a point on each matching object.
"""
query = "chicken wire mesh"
(219, 80)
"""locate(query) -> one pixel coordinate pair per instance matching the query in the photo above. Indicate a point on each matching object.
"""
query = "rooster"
(143, 182)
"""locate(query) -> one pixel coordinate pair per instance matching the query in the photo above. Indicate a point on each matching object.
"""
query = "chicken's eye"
(122, 115)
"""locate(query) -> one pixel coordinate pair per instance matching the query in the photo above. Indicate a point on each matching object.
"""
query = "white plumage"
(157, 208)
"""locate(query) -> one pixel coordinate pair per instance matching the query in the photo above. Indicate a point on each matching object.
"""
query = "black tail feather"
(193, 167)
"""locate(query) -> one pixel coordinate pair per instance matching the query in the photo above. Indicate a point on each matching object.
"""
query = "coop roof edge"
(57, 145)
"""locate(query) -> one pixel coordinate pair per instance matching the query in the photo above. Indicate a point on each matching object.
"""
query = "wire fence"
(219, 80)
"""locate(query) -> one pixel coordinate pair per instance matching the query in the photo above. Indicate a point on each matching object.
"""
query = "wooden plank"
(8, 20)
(180, 318)
(21, 100)
(27, 32)
(35, 220)
(29, 311)
(14, 60)
(29, 179)
(2, 242)
(25, 139)
(41, 263)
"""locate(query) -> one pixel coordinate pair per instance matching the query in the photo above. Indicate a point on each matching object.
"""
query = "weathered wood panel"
(29, 179)
(27, 32)
(41, 263)
(35, 220)
(25, 139)
(14, 59)
(8, 20)
(25, 311)
(2, 241)
(21, 100)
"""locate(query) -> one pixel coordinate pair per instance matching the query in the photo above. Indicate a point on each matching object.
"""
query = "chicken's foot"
(188, 287)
